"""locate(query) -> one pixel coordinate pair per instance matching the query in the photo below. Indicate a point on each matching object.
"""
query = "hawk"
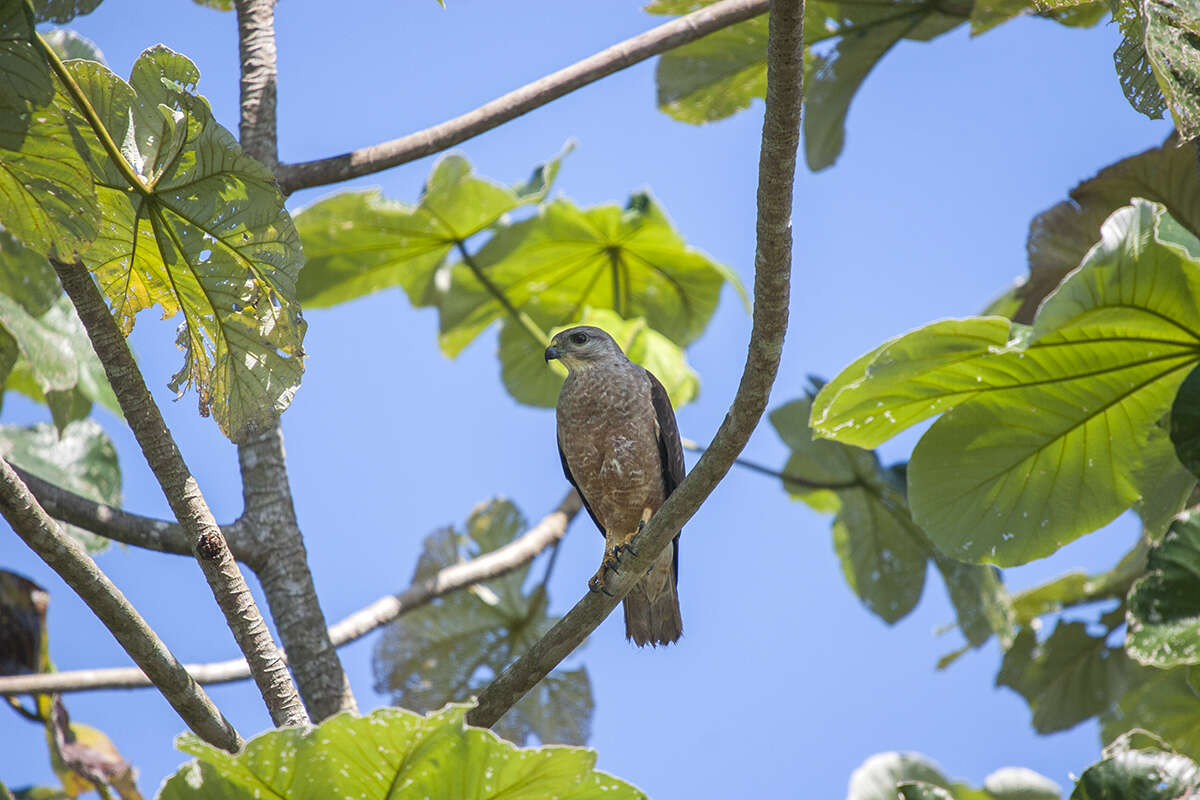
(620, 449)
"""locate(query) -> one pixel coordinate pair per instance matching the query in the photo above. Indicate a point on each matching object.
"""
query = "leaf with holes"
(452, 648)
(1172, 42)
(1042, 437)
(356, 243)
(552, 266)
(1164, 605)
(204, 232)
(1145, 774)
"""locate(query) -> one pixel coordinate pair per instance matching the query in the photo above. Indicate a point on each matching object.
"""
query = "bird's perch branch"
(772, 273)
(624, 54)
(450, 579)
(66, 557)
(205, 537)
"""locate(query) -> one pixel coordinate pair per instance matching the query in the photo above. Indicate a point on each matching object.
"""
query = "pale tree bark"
(183, 495)
(269, 514)
(772, 283)
(72, 563)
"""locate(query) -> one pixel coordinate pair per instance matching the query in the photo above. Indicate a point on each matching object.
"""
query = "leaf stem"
(527, 324)
(85, 107)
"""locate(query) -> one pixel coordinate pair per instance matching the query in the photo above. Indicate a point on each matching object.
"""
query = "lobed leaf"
(390, 751)
(357, 243)
(453, 647)
(205, 233)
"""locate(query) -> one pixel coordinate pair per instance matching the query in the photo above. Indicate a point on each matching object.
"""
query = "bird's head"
(583, 346)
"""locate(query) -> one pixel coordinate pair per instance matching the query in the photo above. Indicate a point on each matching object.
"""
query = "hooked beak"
(552, 353)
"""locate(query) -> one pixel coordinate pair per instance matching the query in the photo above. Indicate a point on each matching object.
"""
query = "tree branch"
(66, 557)
(375, 158)
(256, 48)
(183, 495)
(454, 578)
(776, 171)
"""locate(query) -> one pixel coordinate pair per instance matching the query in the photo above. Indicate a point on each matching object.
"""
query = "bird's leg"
(609, 563)
(627, 543)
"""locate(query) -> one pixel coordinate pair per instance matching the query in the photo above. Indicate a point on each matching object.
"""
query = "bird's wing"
(670, 450)
(571, 479)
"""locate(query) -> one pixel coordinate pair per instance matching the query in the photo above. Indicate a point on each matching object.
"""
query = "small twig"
(382, 156)
(183, 495)
(67, 558)
(772, 283)
(788, 477)
(454, 578)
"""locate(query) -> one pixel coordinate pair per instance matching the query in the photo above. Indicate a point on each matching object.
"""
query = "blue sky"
(783, 682)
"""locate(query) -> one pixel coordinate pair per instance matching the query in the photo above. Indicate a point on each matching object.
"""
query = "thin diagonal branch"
(456, 577)
(183, 495)
(772, 273)
(66, 557)
(375, 158)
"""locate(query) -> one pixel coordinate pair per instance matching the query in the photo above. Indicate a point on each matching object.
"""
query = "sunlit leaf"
(1020, 783)
(356, 243)
(69, 44)
(22, 625)
(61, 11)
(1162, 481)
(81, 460)
(1141, 774)
(1172, 42)
(1061, 236)
(1042, 439)
(391, 750)
(450, 649)
(555, 264)
(1068, 678)
(878, 777)
(1164, 606)
(47, 198)
(206, 235)
(529, 380)
(1134, 69)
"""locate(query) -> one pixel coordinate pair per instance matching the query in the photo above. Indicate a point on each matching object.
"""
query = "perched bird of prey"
(620, 449)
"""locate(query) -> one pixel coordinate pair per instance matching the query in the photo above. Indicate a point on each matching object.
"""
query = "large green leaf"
(61, 11)
(878, 776)
(47, 198)
(1068, 678)
(1166, 702)
(26, 276)
(1043, 438)
(204, 233)
(356, 243)
(552, 266)
(1061, 236)
(452, 648)
(68, 44)
(390, 753)
(1139, 775)
(1164, 606)
(530, 380)
(981, 603)
(81, 460)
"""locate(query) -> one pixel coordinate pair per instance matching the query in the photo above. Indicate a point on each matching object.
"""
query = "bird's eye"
(578, 338)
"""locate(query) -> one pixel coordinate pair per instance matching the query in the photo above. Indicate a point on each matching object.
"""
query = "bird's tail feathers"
(653, 620)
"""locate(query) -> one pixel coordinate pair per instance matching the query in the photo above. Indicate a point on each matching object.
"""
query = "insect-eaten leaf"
(1147, 774)
(84, 757)
(1164, 605)
(388, 751)
(82, 460)
(200, 231)
(356, 243)
(1044, 427)
(453, 647)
